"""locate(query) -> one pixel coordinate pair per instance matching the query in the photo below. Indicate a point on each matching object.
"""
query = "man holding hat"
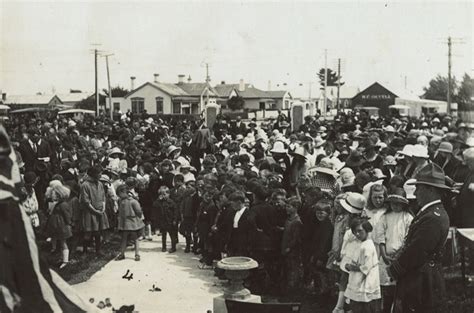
(417, 268)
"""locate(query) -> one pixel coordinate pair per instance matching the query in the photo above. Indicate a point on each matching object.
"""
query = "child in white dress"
(362, 264)
(390, 235)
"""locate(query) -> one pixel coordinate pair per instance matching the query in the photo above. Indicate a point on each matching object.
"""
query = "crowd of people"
(355, 205)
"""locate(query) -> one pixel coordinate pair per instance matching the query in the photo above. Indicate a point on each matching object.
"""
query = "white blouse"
(364, 285)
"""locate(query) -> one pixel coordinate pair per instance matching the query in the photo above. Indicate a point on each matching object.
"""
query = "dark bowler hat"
(431, 175)
(355, 159)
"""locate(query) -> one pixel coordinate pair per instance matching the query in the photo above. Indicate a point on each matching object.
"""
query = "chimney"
(241, 85)
(189, 79)
(269, 85)
(222, 82)
(132, 83)
(156, 77)
(181, 78)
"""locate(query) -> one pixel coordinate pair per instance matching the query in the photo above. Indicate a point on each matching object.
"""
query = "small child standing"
(321, 245)
(169, 218)
(291, 246)
(390, 234)
(59, 226)
(362, 264)
(348, 206)
(130, 221)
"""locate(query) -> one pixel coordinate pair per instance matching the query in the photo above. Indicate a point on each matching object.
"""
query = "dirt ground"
(83, 266)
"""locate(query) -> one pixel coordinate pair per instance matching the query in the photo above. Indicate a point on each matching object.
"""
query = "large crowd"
(355, 205)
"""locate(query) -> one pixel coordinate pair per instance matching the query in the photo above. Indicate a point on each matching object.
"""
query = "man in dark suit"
(238, 128)
(237, 226)
(417, 269)
(29, 150)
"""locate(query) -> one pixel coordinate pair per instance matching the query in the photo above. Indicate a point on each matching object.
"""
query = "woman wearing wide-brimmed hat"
(417, 268)
(325, 177)
(296, 168)
(355, 160)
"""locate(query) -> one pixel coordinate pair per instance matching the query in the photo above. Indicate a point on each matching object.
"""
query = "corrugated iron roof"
(73, 97)
(28, 99)
(171, 89)
(276, 93)
(196, 89)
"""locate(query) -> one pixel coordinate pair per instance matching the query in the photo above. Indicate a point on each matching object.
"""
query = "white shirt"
(237, 216)
(391, 231)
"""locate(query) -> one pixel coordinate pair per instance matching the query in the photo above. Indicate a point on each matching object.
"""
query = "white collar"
(428, 205)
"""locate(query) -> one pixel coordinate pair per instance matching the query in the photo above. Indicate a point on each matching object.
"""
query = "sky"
(47, 46)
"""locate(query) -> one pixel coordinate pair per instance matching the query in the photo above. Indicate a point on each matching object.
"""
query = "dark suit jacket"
(236, 130)
(28, 155)
(237, 239)
(417, 270)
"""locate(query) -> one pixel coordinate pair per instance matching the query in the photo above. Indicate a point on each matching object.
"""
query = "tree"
(438, 89)
(89, 103)
(465, 92)
(332, 78)
(117, 91)
(236, 103)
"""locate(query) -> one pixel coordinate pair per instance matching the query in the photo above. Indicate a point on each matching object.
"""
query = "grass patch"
(82, 265)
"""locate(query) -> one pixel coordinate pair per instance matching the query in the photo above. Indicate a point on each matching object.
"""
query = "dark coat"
(28, 155)
(237, 129)
(237, 240)
(465, 206)
(130, 215)
(291, 242)
(168, 213)
(205, 219)
(321, 241)
(417, 269)
(93, 194)
(60, 222)
(263, 219)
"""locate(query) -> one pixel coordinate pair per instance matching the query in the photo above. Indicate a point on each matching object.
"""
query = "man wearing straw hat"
(417, 268)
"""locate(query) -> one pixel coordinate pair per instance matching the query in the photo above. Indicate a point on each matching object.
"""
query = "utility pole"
(449, 77)
(108, 83)
(208, 79)
(338, 83)
(325, 80)
(96, 84)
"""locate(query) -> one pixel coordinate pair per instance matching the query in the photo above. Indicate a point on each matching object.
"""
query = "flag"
(26, 282)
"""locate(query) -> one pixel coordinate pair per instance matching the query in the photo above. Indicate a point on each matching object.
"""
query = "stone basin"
(236, 270)
(237, 263)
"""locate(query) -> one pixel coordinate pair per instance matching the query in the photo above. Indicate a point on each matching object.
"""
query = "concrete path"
(185, 287)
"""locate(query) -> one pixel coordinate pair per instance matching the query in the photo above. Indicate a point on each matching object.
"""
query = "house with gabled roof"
(255, 99)
(166, 98)
(39, 100)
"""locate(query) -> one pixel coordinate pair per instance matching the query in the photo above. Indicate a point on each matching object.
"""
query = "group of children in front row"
(360, 248)
(367, 249)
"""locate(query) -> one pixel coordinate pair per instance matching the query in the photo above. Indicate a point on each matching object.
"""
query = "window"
(262, 105)
(176, 108)
(138, 105)
(287, 104)
(186, 110)
(116, 106)
(159, 105)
